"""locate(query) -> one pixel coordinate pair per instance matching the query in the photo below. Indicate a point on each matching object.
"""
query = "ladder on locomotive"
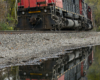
(52, 7)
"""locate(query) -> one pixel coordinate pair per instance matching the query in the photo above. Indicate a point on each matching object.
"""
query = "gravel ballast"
(19, 48)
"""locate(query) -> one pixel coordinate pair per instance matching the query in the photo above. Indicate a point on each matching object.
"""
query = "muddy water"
(12, 73)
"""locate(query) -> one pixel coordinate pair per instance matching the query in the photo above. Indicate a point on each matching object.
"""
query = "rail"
(34, 31)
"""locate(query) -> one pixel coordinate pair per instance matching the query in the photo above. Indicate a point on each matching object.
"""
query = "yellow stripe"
(35, 74)
(34, 11)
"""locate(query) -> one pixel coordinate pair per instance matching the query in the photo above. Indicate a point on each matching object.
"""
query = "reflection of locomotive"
(54, 14)
(69, 66)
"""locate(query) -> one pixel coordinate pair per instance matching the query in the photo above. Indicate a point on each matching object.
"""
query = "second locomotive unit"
(54, 15)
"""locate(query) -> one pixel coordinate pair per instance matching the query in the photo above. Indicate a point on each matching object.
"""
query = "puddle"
(71, 65)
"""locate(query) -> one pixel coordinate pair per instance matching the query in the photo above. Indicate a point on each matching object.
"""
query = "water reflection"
(94, 70)
(69, 66)
(9, 73)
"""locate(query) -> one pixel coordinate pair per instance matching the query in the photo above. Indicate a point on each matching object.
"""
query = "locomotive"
(54, 15)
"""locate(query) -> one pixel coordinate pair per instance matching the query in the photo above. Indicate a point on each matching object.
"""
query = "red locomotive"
(53, 15)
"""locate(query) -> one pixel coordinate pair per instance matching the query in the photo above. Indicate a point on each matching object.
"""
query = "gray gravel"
(19, 48)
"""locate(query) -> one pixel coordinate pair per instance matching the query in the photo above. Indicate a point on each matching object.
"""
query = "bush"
(98, 29)
(5, 26)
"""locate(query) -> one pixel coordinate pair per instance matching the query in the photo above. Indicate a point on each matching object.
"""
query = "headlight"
(46, 74)
(23, 12)
(24, 73)
(45, 10)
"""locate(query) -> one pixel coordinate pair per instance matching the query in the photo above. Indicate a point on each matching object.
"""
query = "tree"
(3, 11)
(6, 19)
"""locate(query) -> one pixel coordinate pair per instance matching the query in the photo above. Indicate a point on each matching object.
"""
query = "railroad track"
(34, 31)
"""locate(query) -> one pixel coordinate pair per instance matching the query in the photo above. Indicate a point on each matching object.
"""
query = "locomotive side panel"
(77, 6)
(26, 3)
(83, 7)
(82, 69)
(33, 3)
(65, 4)
(89, 12)
(39, 3)
(80, 6)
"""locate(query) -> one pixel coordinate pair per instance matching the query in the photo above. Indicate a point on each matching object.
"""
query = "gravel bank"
(19, 48)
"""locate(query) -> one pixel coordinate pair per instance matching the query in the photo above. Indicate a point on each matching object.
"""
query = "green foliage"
(9, 24)
(7, 17)
(94, 70)
(11, 7)
(3, 11)
(98, 29)
(5, 26)
(10, 18)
